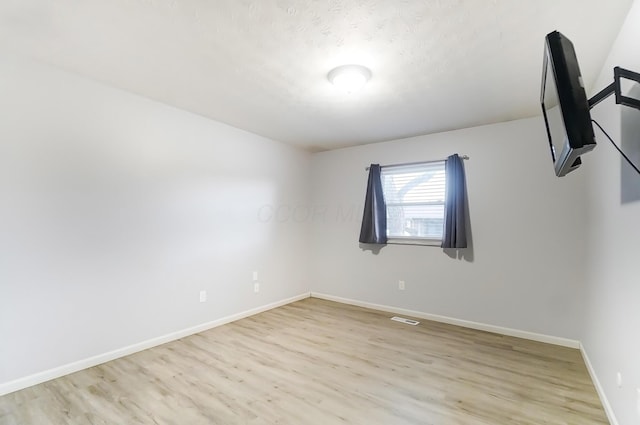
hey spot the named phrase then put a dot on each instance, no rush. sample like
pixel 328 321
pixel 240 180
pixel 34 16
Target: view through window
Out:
pixel 414 195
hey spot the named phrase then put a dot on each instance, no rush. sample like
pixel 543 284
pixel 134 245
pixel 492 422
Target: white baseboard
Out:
pixel 596 382
pixel 37 378
pixel 565 342
pixel 47 375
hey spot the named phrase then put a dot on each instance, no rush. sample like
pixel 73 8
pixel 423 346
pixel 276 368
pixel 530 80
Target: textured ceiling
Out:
pixel 261 65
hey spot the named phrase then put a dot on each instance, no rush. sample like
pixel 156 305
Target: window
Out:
pixel 414 195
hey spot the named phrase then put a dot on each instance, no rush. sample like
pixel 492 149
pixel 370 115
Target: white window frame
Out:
pixel 414 240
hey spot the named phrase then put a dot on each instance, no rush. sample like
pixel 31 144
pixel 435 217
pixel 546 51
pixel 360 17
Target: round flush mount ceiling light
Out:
pixel 349 78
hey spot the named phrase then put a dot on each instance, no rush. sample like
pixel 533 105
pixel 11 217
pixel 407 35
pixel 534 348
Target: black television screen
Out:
pixel 565 105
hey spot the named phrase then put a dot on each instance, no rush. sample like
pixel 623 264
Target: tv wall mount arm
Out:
pixel 614 88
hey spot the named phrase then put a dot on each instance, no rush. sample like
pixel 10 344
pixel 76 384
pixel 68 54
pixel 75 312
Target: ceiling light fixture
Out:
pixel 349 78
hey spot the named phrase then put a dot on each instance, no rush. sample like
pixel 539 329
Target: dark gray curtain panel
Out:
pixel 455 205
pixel 374 217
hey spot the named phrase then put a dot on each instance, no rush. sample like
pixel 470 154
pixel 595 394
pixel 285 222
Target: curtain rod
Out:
pixel 416 163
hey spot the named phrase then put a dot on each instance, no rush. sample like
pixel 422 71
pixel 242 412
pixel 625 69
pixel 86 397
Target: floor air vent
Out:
pixel 403 320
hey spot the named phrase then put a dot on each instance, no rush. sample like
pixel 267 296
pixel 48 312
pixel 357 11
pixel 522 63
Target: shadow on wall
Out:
pixel 460 253
pixel 454 253
pixel 374 248
pixel 630 124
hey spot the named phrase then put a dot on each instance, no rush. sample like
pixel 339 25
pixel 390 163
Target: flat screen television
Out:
pixel 565 105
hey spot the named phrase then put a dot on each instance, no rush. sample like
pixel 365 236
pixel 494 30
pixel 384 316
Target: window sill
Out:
pixel 409 241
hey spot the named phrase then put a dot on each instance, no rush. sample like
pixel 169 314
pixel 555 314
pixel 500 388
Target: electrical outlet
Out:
pixel 619 380
pixel 255 276
pixel 203 296
pixel 401 285
pixel 256 287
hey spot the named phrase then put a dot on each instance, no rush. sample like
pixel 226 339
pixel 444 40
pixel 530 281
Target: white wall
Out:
pixel 115 211
pixel 526 270
pixel 613 298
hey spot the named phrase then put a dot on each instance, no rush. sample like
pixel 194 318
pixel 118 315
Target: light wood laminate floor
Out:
pixel 319 362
